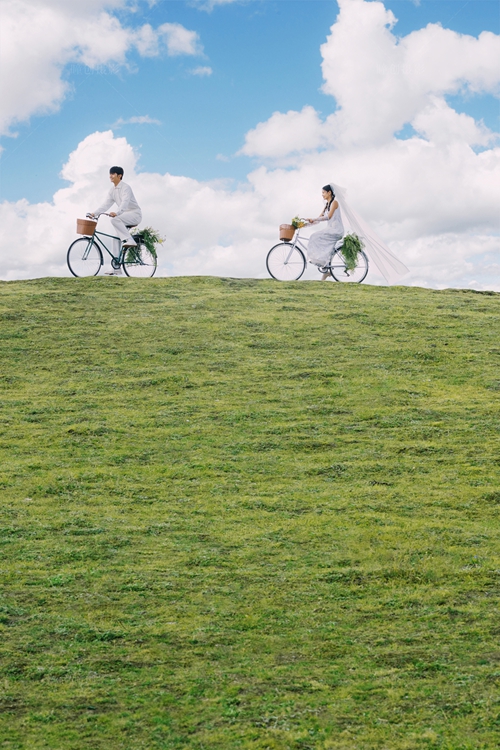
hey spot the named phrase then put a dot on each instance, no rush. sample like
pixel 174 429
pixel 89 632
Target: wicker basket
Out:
pixel 85 226
pixel 286 232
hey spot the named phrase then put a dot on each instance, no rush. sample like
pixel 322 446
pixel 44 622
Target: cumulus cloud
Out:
pixel 284 134
pixel 441 124
pixel 434 196
pixel 381 82
pixel 387 80
pixel 41 37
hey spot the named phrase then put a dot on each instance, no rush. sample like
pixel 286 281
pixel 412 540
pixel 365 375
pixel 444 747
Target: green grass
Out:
pixel 244 514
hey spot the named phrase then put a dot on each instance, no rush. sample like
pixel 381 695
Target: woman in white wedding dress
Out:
pixel 322 243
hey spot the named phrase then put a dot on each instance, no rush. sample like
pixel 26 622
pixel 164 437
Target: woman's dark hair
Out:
pixel 328 189
pixel 116 170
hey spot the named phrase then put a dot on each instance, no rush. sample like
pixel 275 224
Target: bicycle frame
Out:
pixel 102 245
pixel 298 241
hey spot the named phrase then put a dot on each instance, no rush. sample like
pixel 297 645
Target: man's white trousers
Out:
pixel 130 218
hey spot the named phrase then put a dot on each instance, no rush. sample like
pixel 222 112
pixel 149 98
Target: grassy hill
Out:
pixel 244 514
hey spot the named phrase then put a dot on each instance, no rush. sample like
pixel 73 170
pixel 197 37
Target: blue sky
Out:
pixel 264 56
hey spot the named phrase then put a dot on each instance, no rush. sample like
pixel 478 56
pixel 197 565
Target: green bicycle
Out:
pixel 85 255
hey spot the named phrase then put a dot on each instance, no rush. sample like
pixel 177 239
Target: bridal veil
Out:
pixel 377 251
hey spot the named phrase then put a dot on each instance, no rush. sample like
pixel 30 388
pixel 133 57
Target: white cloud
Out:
pixel 380 83
pixel 139 120
pixel 179 40
pixel 146 40
pixel 432 197
pixel 441 124
pixel 284 134
pixel 41 37
pixel 388 81
pixel 202 70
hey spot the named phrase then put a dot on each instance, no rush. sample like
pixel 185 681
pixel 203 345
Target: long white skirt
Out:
pixel 321 246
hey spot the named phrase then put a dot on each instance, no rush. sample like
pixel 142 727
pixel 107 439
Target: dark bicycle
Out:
pixel 85 255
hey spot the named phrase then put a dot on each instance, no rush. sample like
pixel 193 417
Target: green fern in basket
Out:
pixel 149 237
pixel 351 246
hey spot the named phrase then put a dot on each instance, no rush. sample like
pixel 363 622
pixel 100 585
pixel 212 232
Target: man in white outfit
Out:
pixel 129 213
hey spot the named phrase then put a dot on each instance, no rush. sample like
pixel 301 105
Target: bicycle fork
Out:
pixel 89 247
pixel 292 248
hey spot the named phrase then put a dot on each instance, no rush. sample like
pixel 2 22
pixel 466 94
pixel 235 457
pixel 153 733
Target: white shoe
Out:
pixel 129 243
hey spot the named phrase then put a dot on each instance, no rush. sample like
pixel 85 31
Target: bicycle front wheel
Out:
pixel 285 262
pixel 84 257
pixel 340 272
pixel 138 261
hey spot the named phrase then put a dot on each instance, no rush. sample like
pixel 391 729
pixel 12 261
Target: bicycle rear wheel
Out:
pixel 139 262
pixel 340 272
pixel 84 257
pixel 285 262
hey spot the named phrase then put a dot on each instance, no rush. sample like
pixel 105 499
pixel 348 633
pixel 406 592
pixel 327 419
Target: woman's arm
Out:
pixel 321 217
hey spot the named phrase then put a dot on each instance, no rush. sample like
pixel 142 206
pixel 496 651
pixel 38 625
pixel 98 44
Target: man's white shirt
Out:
pixel 124 198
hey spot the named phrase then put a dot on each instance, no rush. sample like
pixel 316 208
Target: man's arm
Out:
pixel 106 205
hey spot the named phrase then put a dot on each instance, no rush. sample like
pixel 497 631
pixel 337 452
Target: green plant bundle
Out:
pixel 297 222
pixel 351 246
pixel 150 238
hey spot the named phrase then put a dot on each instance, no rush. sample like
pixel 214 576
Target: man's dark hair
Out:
pixel 116 170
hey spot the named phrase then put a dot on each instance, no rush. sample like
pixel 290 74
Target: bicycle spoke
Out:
pixel 139 262
pixel 340 272
pixel 84 257
pixel 285 262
